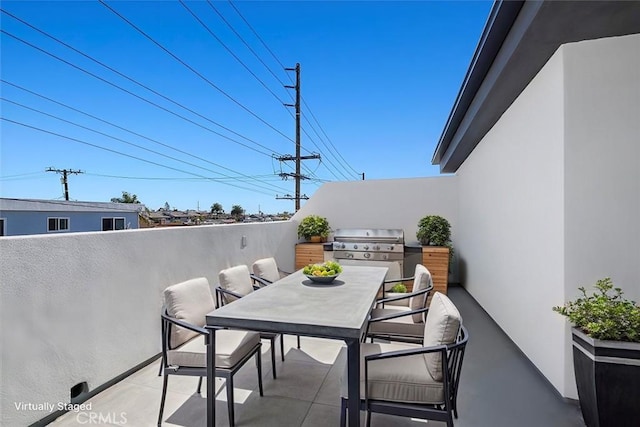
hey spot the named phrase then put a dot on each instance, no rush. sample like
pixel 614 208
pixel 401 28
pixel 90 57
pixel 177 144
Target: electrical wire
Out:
pixel 142 85
pixel 213 85
pixel 133 144
pixel 121 154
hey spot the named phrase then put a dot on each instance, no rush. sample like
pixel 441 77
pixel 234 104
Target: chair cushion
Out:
pixel 266 269
pixel 441 327
pixel 404 379
pixel 189 301
pixel 421 280
pixel 231 347
pixel 236 279
pixel 403 326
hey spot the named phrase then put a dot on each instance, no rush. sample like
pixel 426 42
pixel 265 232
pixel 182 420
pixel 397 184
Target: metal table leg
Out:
pixel 211 378
pixel 353 382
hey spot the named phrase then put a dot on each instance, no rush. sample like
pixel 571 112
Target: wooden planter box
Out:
pixel 309 253
pixel 436 259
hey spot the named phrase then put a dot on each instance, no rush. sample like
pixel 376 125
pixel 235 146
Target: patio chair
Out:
pixel 235 283
pixel 265 272
pixel 184 340
pixel 399 379
pixel 403 323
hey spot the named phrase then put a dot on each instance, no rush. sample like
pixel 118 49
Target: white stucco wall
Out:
pixel 550 198
pixel 390 203
pixel 602 165
pixel 86 306
pixel 511 221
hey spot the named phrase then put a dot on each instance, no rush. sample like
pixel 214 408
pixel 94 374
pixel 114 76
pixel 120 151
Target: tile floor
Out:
pixel 499 387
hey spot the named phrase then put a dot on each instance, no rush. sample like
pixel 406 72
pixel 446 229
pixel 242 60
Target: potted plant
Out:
pixel 606 355
pixel 434 230
pixel 314 228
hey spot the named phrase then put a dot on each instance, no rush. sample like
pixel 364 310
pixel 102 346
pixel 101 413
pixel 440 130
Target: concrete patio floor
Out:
pixel 499 387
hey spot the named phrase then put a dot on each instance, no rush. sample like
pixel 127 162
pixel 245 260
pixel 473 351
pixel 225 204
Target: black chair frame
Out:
pixel 226 373
pixel 271 336
pixel 452 357
pixel 401 338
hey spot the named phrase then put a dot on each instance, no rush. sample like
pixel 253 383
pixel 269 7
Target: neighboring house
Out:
pixel 28 216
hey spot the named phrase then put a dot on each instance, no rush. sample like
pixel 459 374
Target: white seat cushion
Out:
pixel 404 325
pixel 189 301
pixel 441 327
pixel 421 280
pixel 404 379
pixel 231 347
pixel 236 279
pixel 266 269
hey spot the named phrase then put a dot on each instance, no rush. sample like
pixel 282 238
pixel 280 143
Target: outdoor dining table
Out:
pixel 295 305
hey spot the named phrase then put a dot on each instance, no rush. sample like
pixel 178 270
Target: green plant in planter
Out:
pixel 434 230
pixel 398 289
pixel 603 315
pixel 313 225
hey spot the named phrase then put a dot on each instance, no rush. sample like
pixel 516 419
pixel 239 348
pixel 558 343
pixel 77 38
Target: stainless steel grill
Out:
pixel 368 244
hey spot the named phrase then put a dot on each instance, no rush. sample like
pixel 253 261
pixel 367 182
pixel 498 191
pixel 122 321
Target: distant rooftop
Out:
pixel 7 204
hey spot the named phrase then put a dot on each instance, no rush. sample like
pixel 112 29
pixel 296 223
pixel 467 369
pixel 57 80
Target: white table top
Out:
pixel 296 305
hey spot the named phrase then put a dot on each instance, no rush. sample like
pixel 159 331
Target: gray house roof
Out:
pixel 517 41
pixel 66 206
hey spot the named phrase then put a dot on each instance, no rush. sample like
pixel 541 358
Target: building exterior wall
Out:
pixel 602 166
pixel 550 199
pixel 19 223
pixel 86 306
pixel 511 244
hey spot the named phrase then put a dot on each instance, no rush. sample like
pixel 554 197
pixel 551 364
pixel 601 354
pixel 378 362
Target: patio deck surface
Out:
pixel 499 387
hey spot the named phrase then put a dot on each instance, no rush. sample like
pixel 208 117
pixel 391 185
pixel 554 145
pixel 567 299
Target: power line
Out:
pixel 65 174
pixel 283 66
pixel 193 70
pixel 141 85
pixel 230 51
pixel 120 153
pixel 133 144
pixel 114 125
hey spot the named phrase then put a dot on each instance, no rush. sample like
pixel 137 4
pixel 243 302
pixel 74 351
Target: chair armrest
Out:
pixel 261 282
pixel 400 314
pixel 403 279
pixel 221 292
pixel 184 324
pixel 405 296
pixel 407 352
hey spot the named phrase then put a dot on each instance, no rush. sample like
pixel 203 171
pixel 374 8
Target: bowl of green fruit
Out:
pixel 322 273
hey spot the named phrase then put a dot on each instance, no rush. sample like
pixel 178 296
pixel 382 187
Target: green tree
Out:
pixel 126 198
pixel 216 209
pixel 166 206
pixel 237 212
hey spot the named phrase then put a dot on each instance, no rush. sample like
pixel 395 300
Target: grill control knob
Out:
pixel 390 247
pixel 385 256
pixel 367 255
pixel 377 247
pixel 355 246
pixel 349 255
pixel 365 247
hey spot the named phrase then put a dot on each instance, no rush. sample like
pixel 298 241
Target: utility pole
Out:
pixel 298 158
pixel 65 173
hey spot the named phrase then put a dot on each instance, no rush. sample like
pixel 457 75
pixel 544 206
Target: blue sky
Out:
pixel 378 82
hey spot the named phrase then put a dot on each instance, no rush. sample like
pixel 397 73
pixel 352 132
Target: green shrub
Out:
pixel 399 289
pixel 603 315
pixel 313 225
